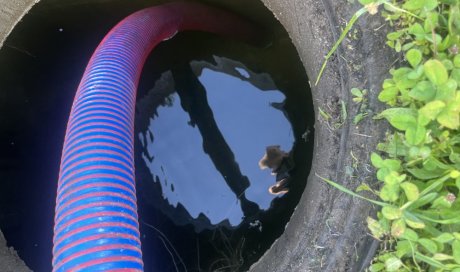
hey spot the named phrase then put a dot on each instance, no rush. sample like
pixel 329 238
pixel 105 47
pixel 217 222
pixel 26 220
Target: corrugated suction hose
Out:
pixel 96 223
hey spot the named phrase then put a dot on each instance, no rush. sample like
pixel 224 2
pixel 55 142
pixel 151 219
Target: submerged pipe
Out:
pixel 96 223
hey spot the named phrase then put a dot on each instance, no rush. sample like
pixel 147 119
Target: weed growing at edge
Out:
pixel 418 163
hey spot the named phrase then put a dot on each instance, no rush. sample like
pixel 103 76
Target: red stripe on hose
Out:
pixel 94 176
pixel 96 249
pixel 93 238
pixel 102 152
pixel 97 214
pixel 100 167
pixel 105 260
pixel 95 185
pixel 97 194
pixel 100 158
pixel 83 140
pixel 93 226
pixel 61 217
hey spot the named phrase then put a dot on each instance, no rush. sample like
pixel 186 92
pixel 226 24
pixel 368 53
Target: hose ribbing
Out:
pixel 96 222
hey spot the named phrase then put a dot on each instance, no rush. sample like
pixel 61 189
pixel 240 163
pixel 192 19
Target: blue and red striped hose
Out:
pixel 96 223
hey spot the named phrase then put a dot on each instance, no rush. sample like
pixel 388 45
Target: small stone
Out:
pixel 372 8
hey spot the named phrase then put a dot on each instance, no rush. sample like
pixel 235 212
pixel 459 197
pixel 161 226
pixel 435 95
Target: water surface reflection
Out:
pixel 204 147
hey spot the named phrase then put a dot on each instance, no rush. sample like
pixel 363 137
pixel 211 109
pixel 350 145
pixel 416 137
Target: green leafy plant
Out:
pixel 360 97
pixel 418 164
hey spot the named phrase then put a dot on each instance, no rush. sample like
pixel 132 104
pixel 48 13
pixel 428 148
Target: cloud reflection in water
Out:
pixel 248 122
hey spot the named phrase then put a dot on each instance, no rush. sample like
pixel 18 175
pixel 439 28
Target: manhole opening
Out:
pixel 267 93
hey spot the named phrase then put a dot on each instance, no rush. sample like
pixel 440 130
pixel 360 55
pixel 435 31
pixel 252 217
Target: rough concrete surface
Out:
pixel 9 259
pixel 11 11
pixel 327 231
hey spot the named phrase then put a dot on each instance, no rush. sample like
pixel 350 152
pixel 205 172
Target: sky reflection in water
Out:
pixel 248 123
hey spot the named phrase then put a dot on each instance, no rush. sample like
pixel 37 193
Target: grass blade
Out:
pixel 345 190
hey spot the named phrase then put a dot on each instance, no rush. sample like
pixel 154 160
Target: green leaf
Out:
pixel 388 94
pixel 398 46
pixel 376 267
pixel 376 160
pixel 432 109
pixel 442 257
pixel 441 202
pixel 434 185
pixel 429 260
pixel 398 227
pixel 392 36
pixel 414 57
pixel 356 92
pixel 423 91
pixel 431 22
pixel 455 75
pixel 393 165
pixel 394 146
pixel 394 178
pixel 423 200
pixel 435 72
pixel 393 264
pixel 410 235
pixel 416 73
pixel 403 122
pixel 415 135
pixel 449 221
pixel 424 152
pixel 359 117
pixel 446 91
pixel 403 248
pixel 417 30
pixel 391 212
pixel 457 61
pixel 413 221
pixel 448 64
pixel 382 173
pixel 414 4
pixel 376 229
pixel 437 38
pixel 392 112
pixel 411 191
pixel 365 2
pixel 432 163
pixel 449 117
pixel 363 187
pixel 389 192
pixel 404 82
pixel 425 174
pixel 430 5
pixel 429 245
pixel 446 43
pixel 444 238
pixel 456 250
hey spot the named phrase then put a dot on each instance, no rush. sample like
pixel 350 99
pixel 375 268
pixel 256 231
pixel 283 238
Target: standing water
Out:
pixel 203 130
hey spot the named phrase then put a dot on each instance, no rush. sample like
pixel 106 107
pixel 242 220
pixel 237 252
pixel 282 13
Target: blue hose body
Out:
pixel 96 221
